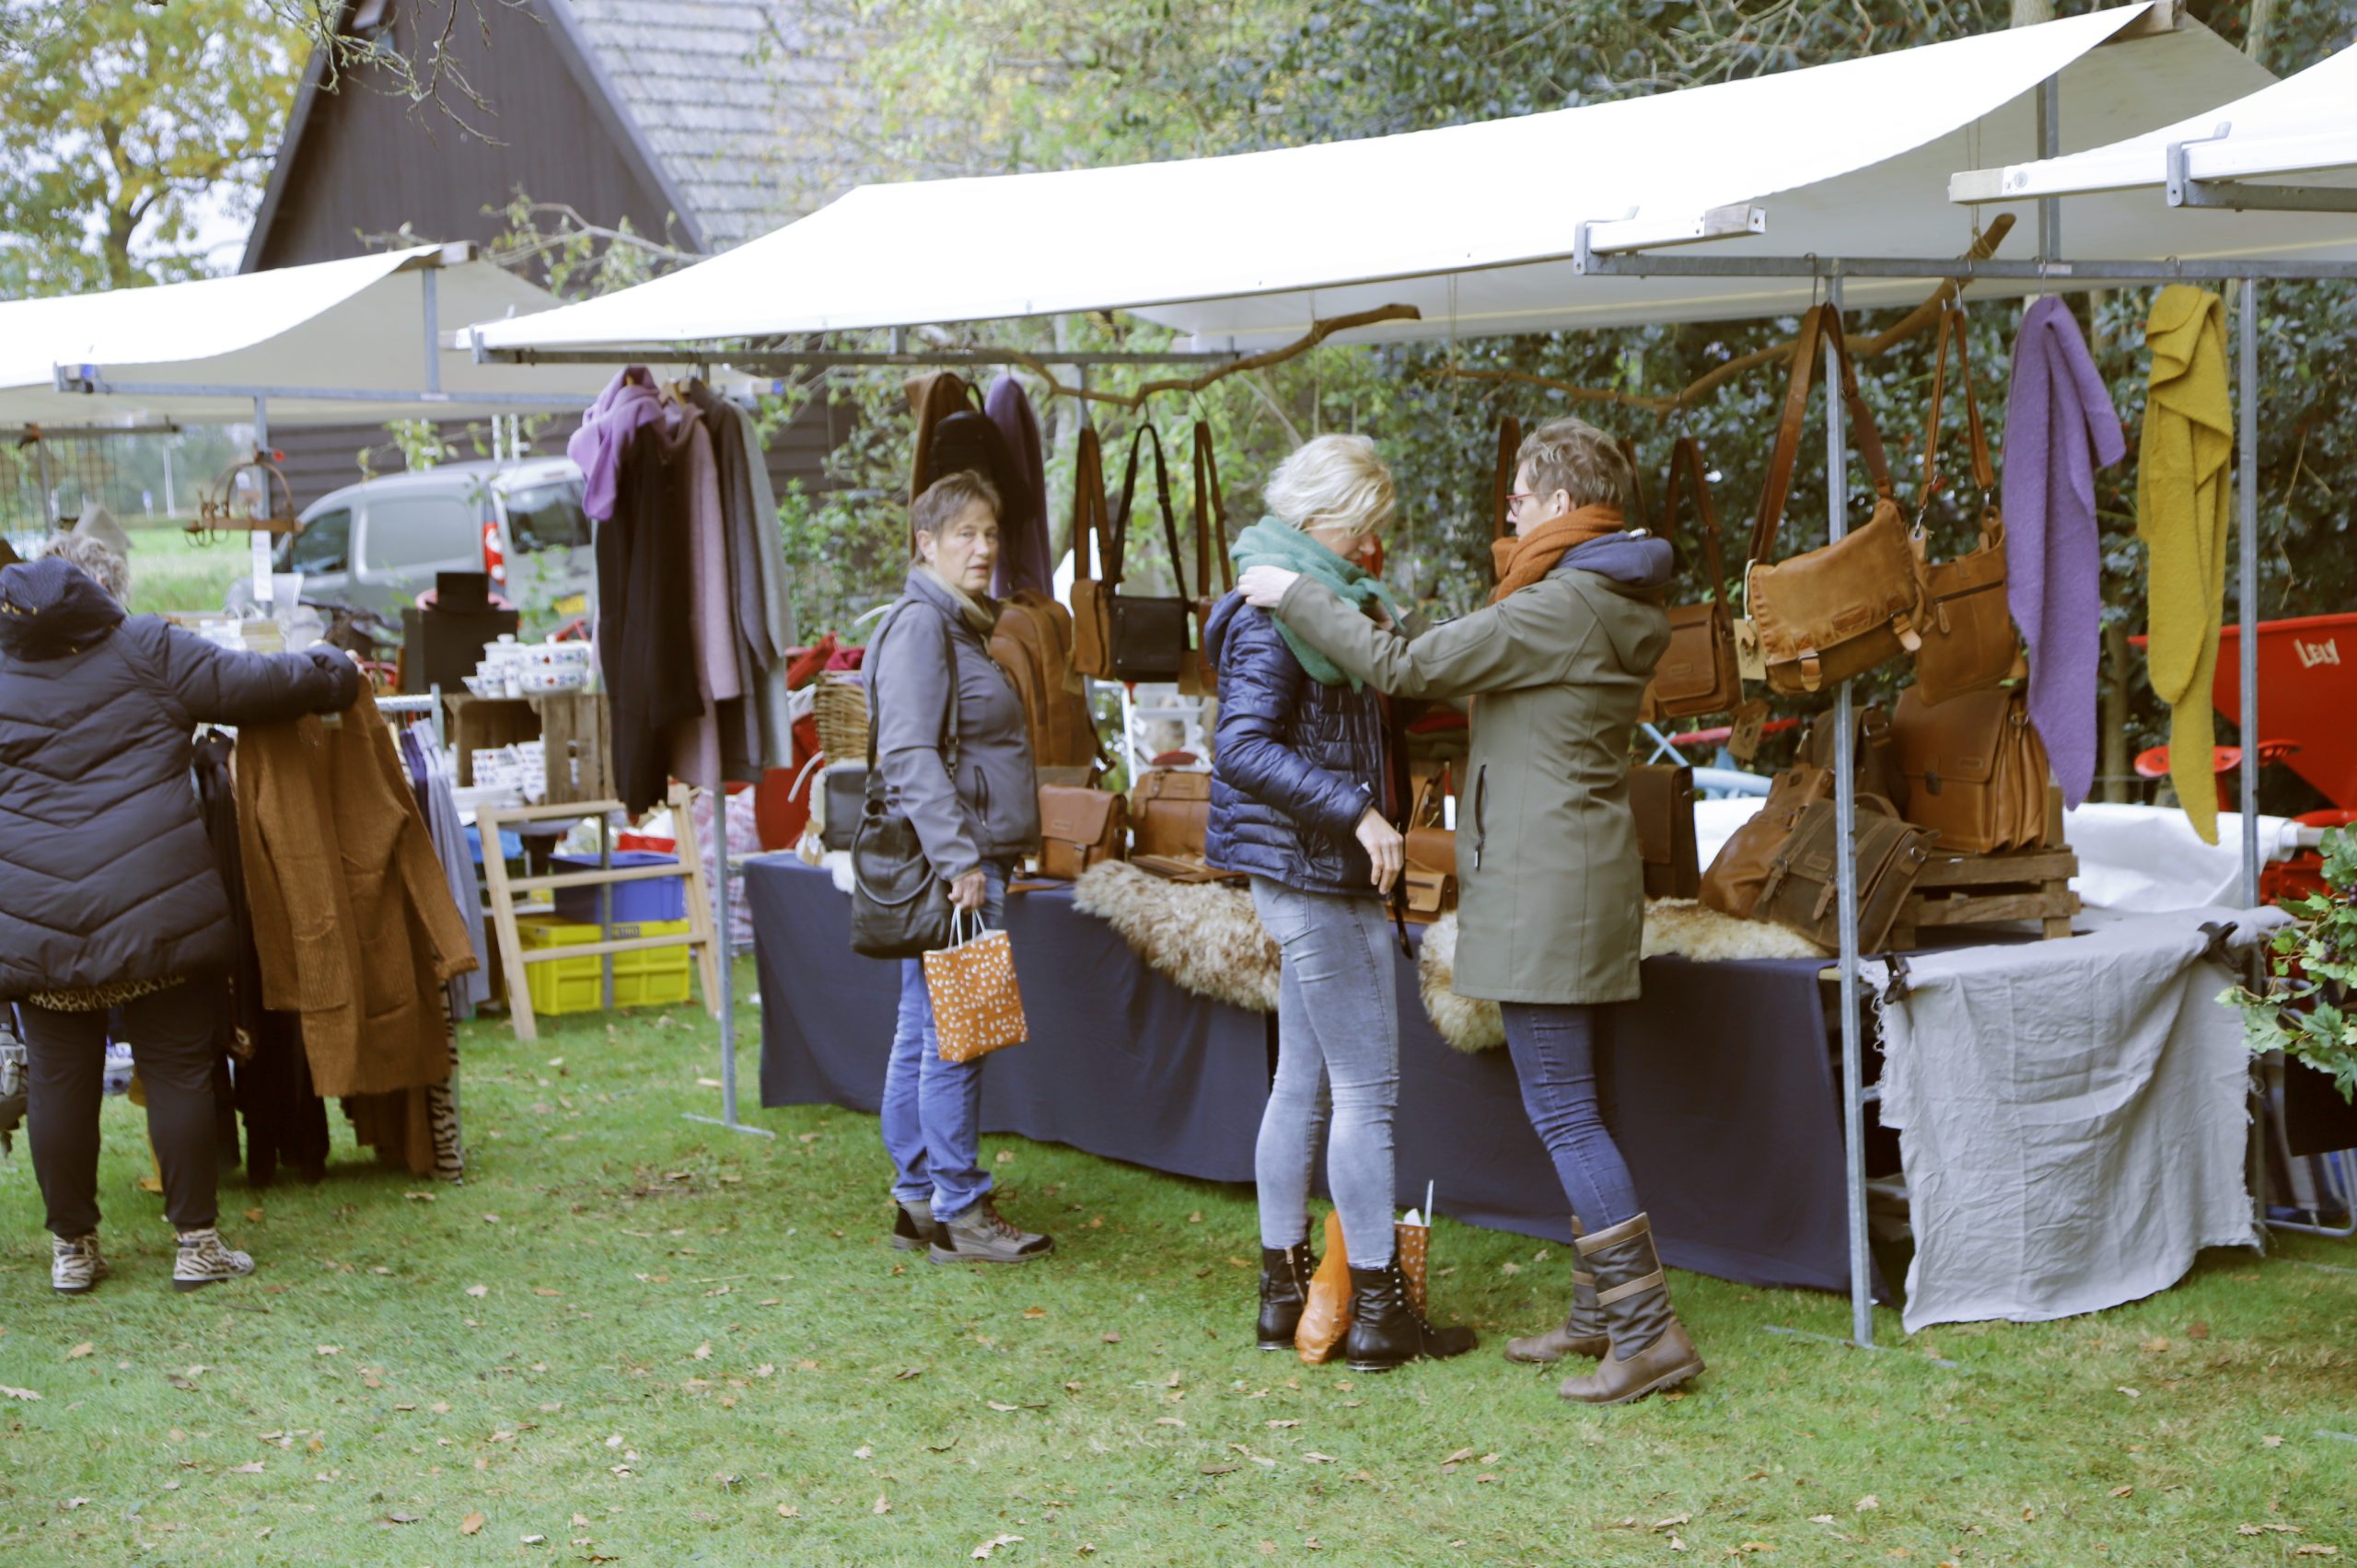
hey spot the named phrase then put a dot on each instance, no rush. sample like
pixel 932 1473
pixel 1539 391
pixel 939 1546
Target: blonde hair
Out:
pixel 1575 456
pixel 96 560
pixel 1332 478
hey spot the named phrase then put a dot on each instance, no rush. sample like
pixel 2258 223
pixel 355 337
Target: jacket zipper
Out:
pixel 1481 814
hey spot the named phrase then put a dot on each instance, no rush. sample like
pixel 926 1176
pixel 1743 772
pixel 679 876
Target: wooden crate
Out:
pixel 1982 889
pixel 571 726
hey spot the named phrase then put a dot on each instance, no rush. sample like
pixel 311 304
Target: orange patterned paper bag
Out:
pixel 977 1005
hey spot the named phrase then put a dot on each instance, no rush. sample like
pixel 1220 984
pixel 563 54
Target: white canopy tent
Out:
pixel 1476 226
pixel 336 343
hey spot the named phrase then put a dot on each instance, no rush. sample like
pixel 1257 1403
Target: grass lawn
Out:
pixel 172 571
pixel 634 1338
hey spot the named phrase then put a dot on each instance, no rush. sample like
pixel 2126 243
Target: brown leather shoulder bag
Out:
pixel 1698 672
pixel 1828 614
pixel 1078 828
pixel 1662 800
pixel 1802 892
pixel 1092 535
pixel 1170 812
pixel 1969 641
pixel 1976 770
pixel 1732 884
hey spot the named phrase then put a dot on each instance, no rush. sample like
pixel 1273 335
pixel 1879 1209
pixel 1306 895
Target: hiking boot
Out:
pixel 1650 1350
pixel 205 1260
pixel 912 1224
pixel 1581 1334
pixel 1386 1330
pixel 1284 1290
pixel 981 1236
pixel 74 1265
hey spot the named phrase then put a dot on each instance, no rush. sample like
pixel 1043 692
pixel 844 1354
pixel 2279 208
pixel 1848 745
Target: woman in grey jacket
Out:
pixel 956 754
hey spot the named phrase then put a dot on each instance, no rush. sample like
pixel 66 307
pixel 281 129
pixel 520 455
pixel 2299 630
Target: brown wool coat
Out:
pixel 353 919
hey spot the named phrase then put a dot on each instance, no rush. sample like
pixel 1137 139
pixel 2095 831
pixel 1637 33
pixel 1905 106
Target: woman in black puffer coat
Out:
pixel 1297 802
pixel 109 897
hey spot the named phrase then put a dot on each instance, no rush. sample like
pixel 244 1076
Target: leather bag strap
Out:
pixel 1210 516
pixel 1640 509
pixel 1984 472
pixel 1685 468
pixel 1822 322
pixel 1147 434
pixel 1502 477
pixel 1089 526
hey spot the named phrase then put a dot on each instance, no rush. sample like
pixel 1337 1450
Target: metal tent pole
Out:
pixel 1845 816
pixel 2246 590
pixel 724 938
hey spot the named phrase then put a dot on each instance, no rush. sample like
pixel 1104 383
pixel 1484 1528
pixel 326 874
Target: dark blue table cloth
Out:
pixel 1719 1086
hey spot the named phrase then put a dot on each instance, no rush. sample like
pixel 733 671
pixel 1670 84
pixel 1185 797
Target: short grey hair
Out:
pixel 97 561
pixel 1332 478
pixel 1575 456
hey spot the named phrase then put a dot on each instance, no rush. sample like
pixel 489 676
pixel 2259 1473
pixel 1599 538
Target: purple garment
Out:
pixel 2059 428
pixel 1023 559
pixel 629 401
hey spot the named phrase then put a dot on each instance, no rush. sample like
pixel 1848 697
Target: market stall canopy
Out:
pixel 352 333
pixel 2304 125
pixel 1473 225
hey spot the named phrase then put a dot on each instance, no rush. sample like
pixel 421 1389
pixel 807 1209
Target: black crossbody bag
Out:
pixel 900 909
pixel 1149 634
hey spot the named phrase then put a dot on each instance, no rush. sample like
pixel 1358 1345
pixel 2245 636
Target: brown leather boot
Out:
pixel 1581 1334
pixel 1650 1350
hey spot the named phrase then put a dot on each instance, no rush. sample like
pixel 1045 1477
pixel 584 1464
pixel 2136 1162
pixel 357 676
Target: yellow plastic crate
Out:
pixel 650 977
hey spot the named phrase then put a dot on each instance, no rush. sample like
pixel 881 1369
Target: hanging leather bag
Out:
pixel 1032 643
pixel 1092 536
pixel 1662 800
pixel 1740 868
pixel 1170 812
pixel 1803 890
pixel 899 908
pixel 1873 753
pixel 1968 639
pixel 1976 770
pixel 1148 634
pixel 1196 676
pixel 1428 873
pixel 1078 828
pixel 1828 614
pixel 1698 673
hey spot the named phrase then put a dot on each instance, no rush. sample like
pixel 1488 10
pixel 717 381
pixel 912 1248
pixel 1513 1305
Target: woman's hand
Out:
pixel 967 892
pixel 1383 846
pixel 1263 587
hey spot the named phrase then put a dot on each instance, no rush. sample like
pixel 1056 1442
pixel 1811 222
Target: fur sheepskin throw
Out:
pixel 1204 938
pixel 1674 928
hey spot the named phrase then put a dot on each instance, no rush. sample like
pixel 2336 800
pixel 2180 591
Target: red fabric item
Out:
pixel 846 659
pixel 802 665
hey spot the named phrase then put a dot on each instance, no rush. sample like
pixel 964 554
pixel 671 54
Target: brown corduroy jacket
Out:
pixel 352 918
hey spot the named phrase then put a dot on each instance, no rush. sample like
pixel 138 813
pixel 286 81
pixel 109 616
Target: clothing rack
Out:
pixel 430 705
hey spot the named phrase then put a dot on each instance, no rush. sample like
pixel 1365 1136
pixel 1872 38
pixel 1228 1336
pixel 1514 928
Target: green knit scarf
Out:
pixel 1271 543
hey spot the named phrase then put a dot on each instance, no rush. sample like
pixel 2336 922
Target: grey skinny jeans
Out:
pixel 1337 1044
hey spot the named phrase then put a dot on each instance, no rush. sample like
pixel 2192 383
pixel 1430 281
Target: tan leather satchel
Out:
pixel 1968 639
pixel 1429 874
pixel 1698 673
pixel 1976 770
pixel 1828 614
pixel 1732 884
pixel 1032 643
pixel 1662 800
pixel 1078 828
pixel 1170 812
pixel 1803 890
pixel 1092 601
pixel 1196 676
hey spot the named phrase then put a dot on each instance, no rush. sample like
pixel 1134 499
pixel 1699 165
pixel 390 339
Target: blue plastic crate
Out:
pixel 658 898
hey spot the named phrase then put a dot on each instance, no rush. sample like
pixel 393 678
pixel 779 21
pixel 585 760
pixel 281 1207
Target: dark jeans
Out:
pixel 173 1044
pixel 1554 1055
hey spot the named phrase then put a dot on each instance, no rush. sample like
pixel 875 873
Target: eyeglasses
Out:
pixel 1514 501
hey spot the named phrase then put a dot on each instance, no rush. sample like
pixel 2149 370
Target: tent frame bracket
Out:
pixel 92 380
pixel 2234 195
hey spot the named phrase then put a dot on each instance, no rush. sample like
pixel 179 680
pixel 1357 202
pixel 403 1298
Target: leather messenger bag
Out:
pixel 1662 800
pixel 1698 673
pixel 1078 828
pixel 1732 884
pixel 1969 641
pixel 1976 770
pixel 1428 868
pixel 1170 812
pixel 1828 614
pixel 1802 892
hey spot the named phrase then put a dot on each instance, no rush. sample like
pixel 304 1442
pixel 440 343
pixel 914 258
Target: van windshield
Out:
pixel 546 516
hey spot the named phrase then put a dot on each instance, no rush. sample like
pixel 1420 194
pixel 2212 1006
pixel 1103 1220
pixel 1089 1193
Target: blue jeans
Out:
pixel 932 1109
pixel 1554 1055
pixel 1337 1042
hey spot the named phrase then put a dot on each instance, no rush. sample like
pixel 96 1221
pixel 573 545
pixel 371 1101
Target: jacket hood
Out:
pixel 1631 560
pixel 48 609
pixel 1223 616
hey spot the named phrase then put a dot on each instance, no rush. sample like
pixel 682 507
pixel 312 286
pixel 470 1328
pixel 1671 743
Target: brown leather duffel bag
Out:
pixel 1802 891
pixel 1976 770
pixel 1968 640
pixel 1732 884
pixel 1698 672
pixel 1662 800
pixel 1078 828
pixel 1170 812
pixel 1828 614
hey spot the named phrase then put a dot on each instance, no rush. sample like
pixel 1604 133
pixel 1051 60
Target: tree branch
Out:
pixel 1318 333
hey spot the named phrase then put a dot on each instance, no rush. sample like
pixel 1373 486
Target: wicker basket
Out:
pixel 840 707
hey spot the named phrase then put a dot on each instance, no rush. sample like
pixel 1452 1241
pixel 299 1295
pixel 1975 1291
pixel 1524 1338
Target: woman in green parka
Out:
pixel 1550 904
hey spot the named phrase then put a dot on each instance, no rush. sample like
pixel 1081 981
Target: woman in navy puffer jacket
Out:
pixel 1297 802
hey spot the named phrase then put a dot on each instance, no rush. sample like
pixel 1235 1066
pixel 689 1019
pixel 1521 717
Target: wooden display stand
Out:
pixel 514 955
pixel 1985 889
pixel 570 726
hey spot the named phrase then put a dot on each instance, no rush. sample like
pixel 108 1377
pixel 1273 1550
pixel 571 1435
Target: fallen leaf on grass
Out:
pixel 2314 1549
pixel 1284 1423
pixel 2132 1393
pixel 906 1373
pixel 862 1452
pixel 1000 1405
pixel 1820 1519
pixel 1316 1458
pixel 995 1543
pixel 2272 1441
pixel 2123 1491
pixel 1675 1544
pixel 1672 1522
pixel 883 1504
pixel 543 1290
pixel 419 1197
pixel 2196 1330
pixel 1112 1338
pixel 1035 1312
pixel 473 1524
pixel 478 1292
pixel 534 1540
pixel 440 1407
pixel 398 1518
pixel 701 1351
pixel 79 1352
pixel 1458 1457
pixel 1868 1504
pixel 1221 1469
pixel 250 1468
pixel 1168 1421
pixel 788 1511
pixel 330 1350
pixel 1750 1546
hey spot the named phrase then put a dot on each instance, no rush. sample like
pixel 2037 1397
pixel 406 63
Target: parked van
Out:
pixel 377 545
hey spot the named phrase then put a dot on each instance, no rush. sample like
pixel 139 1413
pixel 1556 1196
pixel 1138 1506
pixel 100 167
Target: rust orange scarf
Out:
pixel 1524 561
